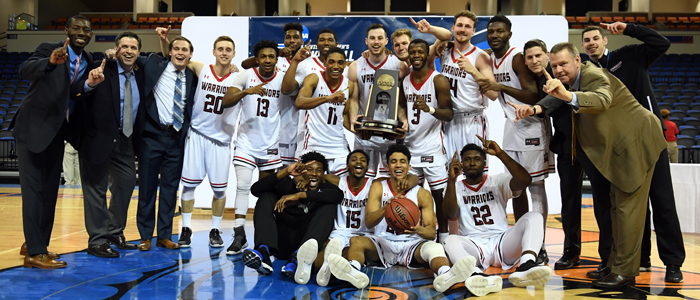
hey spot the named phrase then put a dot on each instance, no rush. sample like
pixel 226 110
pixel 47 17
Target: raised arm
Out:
pixel 653 47
pixel 236 92
pixel 444 99
pixel 44 60
pixel 449 204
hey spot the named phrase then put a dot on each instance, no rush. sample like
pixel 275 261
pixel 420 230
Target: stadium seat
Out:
pixel 673 92
pixel 685 99
pixel 659 93
pixel 680 114
pixel 680 106
pixel 664 105
pixel 695 106
pixel 685 141
pixel 688 130
pixel 642 19
pixel 173 20
pixel 697 140
pixel 695 122
pixel 689 93
pixel 679 77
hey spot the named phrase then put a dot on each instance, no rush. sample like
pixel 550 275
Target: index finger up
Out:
pixel 66 44
pixel 413 21
pixel 546 75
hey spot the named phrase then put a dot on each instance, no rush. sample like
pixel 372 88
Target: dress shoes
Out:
pixel 567 262
pixel 23 251
pixel 43 261
pixel 167 244
pixel 121 243
pixel 145 245
pixel 599 273
pixel 103 250
pixel 613 280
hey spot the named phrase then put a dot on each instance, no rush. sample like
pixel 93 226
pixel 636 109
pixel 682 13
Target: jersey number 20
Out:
pixel 214 104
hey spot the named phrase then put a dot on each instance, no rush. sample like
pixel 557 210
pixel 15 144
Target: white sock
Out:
pixel 186 218
pixel 239 222
pixel 443 270
pixel 527 257
pixel 356 264
pixel 215 221
pixel 442 236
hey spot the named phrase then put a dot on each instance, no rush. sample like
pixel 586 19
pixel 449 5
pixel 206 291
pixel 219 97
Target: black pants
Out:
pixel 601 203
pixel 39 178
pixel 571 179
pixel 669 238
pixel 284 233
pixel 162 154
pixel 118 173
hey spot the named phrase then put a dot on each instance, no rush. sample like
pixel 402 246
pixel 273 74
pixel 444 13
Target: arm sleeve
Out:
pixel 654 44
pixel 37 65
pixel 503 183
pixel 240 80
pixel 300 74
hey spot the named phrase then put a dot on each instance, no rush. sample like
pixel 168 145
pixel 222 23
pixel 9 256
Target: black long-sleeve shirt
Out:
pixel 631 64
pixel 326 193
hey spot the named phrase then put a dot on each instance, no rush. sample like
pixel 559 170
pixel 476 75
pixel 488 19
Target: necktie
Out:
pixel 128 113
pixel 178 105
pixel 75 75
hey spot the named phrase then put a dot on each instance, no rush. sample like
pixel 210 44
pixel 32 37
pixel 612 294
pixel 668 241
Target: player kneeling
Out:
pixel 412 248
pixel 483 225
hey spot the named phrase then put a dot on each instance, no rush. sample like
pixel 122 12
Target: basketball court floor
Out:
pixel 202 272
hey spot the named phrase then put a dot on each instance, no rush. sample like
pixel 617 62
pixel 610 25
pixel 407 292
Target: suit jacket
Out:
pixel 101 124
pixel 153 66
pixel 620 137
pixel 43 110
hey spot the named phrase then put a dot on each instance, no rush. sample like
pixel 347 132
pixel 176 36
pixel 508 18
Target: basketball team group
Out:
pixel 329 211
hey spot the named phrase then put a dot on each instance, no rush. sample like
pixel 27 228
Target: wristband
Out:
pixel 431 110
pixel 534 110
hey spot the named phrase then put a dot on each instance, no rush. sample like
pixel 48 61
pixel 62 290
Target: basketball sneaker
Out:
pixel 290 267
pixel 215 238
pixel 529 273
pixel 542 258
pixel 324 274
pixel 258 261
pixel 239 241
pixel 185 237
pixel 343 270
pixel 306 255
pixel 480 284
pixel 459 272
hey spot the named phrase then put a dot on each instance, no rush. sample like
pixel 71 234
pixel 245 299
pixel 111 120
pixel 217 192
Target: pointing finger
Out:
pixel 481 139
pixel 103 64
pixel 511 104
pixel 546 74
pixel 413 21
pixel 455 156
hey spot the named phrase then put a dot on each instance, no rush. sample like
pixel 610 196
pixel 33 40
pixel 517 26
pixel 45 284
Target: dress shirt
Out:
pixel 165 93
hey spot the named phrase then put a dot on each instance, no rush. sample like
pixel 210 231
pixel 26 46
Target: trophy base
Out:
pixel 383 128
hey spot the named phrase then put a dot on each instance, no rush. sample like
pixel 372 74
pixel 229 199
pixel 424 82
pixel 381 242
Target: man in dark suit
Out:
pixel 107 155
pixel 40 127
pixel 170 89
pixel 570 172
pixel 619 137
pixel 631 65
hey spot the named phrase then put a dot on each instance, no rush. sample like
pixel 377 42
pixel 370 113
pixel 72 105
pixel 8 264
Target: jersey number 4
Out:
pixel 352 219
pixel 481 215
pixel 263 105
pixel 214 104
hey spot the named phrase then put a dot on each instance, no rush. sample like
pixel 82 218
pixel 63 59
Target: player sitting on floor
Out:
pixel 413 248
pixel 285 217
pixel 483 224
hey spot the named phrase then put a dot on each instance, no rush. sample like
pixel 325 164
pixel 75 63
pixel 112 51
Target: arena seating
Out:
pixel 123 23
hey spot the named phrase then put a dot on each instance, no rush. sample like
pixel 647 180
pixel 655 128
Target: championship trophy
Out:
pixel 381 113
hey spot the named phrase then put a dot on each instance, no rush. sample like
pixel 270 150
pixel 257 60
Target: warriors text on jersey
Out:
pixel 324 123
pixel 209 118
pixel 259 124
pixel 351 212
pixel 424 137
pixel 482 208
pixel 382 229
pixel 466 96
pixel 527 134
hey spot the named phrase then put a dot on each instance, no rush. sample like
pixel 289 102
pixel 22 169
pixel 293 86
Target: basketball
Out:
pixel 402 214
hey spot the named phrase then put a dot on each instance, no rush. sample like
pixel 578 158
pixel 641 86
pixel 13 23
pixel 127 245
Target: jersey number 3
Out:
pixel 481 215
pixel 214 104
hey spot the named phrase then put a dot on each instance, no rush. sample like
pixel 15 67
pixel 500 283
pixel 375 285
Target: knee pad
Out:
pixel 188 193
pixel 219 194
pixel 244 177
pixel 431 250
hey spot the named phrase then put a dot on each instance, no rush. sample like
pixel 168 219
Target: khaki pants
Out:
pixel 673 151
pixel 71 170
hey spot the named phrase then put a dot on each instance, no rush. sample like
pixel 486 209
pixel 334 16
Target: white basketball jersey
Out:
pixel 382 229
pixel 209 118
pixel 289 115
pixel 482 208
pixel 324 123
pixel 351 212
pixel 259 126
pixel 424 137
pixel 529 133
pixel 311 65
pixel 466 96
pixel 283 64
pixel 365 75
